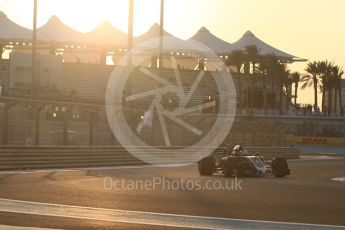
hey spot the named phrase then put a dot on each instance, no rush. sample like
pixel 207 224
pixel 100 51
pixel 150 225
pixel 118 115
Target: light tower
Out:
pixel 130 33
pixel 161 34
pixel 34 79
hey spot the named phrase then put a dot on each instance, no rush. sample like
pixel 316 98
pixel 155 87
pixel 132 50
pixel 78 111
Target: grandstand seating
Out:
pixel 4 73
pixel 85 81
pixel 88 82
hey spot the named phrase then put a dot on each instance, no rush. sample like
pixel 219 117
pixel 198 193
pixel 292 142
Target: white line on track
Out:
pixel 149 218
pixel 7 227
pixel 303 158
pixel 85 169
pixel 340 179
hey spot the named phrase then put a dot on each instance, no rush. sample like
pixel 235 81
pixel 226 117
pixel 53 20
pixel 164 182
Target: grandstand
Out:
pixel 86 83
pixel 69 108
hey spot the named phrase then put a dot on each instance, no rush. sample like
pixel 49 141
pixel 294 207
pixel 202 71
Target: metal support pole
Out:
pixel 92 117
pixel 5 128
pixel 253 134
pixel 130 34
pixel 37 125
pixel 34 79
pixel 65 130
pixel 161 34
pixel 280 136
pixel 2 49
pixel 5 122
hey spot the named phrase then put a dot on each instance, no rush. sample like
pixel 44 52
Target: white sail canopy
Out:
pixel 154 32
pixel 249 39
pixel 106 34
pixel 56 31
pixel 216 44
pixel 150 39
pixel 10 30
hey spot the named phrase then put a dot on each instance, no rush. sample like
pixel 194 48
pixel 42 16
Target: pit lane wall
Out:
pixel 315 141
pixel 276 139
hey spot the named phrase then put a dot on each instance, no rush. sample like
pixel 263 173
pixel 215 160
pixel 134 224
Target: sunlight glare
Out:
pixel 89 14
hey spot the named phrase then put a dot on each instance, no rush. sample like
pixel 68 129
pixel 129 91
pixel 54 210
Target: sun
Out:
pixel 85 15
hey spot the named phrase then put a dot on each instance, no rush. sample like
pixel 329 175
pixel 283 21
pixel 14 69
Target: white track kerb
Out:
pixel 129 138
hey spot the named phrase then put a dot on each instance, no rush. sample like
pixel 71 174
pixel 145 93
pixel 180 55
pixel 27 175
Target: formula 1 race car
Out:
pixel 239 162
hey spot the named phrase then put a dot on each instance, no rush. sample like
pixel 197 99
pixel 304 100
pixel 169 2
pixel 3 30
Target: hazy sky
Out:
pixel 312 29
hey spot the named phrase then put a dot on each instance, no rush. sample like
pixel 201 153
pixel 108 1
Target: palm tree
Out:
pixel 296 77
pixel 279 76
pixel 252 53
pixel 287 80
pixel 237 58
pixel 270 66
pixel 330 83
pixel 262 72
pixel 252 56
pixel 326 86
pixel 324 71
pixel 337 73
pixel 283 79
pixel 273 68
pixel 312 79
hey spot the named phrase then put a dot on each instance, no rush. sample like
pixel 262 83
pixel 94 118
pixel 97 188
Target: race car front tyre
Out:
pixel 229 167
pixel 206 166
pixel 280 167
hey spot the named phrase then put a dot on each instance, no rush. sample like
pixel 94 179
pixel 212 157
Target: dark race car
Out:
pixel 239 162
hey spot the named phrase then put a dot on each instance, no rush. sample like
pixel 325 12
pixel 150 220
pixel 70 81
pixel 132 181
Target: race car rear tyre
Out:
pixel 206 166
pixel 280 167
pixel 229 167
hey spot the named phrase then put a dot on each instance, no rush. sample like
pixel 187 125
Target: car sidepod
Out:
pixel 260 167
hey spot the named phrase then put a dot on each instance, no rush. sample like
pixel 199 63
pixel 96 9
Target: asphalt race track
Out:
pixel 175 198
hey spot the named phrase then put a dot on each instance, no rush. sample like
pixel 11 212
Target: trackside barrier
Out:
pixel 20 157
pixel 41 157
pixel 268 153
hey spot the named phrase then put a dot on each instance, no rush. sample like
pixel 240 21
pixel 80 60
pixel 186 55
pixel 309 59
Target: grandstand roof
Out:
pixel 10 30
pixel 151 38
pixel 250 39
pixel 106 34
pixel 216 44
pixel 57 32
pixel 153 32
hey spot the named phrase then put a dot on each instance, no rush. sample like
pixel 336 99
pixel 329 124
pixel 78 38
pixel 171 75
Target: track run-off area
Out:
pixel 174 198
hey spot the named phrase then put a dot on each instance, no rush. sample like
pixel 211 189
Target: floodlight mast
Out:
pixel 130 33
pixel 161 34
pixel 34 79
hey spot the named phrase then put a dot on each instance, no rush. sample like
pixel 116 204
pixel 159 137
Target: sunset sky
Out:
pixel 312 29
